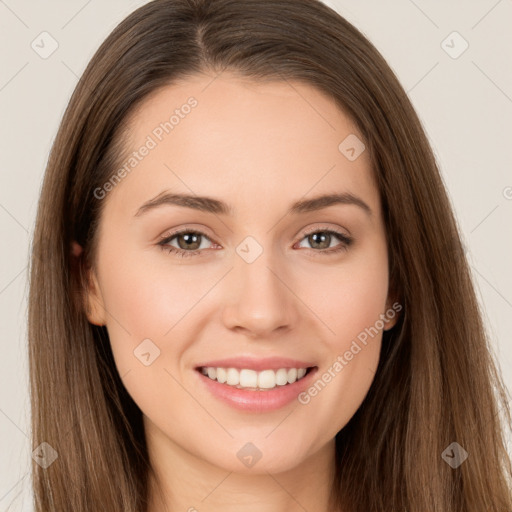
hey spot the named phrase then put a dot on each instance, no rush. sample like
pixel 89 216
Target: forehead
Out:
pixel 267 140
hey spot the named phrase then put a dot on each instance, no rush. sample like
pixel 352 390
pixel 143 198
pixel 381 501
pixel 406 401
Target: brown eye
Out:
pixel 189 242
pixel 322 239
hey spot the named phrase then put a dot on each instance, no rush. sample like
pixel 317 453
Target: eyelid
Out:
pixel 170 233
pixel 325 228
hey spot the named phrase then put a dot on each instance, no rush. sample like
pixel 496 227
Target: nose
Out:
pixel 261 300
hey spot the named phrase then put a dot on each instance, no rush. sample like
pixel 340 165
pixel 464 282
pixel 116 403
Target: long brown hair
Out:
pixel 437 381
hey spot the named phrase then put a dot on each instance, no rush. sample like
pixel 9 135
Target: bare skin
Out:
pixel 259 148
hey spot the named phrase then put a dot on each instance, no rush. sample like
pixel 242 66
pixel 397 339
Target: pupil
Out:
pixel 189 238
pixel 323 237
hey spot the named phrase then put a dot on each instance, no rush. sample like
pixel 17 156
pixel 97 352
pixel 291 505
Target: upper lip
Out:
pixel 257 363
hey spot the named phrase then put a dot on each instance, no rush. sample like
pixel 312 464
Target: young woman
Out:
pixel 248 290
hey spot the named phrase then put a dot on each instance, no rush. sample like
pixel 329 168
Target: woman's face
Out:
pixel 262 275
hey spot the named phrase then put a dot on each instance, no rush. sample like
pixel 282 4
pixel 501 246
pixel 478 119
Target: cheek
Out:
pixel 154 307
pixel 350 302
pixel 147 325
pixel 149 296
pixel 349 297
pixel 143 302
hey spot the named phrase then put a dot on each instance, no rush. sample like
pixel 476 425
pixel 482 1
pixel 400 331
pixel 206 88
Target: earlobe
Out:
pixel 392 313
pixel 389 324
pixel 95 310
pixel 91 293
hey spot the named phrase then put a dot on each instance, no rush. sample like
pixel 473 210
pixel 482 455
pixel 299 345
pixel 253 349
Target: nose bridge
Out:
pixel 261 302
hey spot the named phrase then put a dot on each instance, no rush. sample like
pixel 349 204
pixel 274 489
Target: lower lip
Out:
pixel 258 401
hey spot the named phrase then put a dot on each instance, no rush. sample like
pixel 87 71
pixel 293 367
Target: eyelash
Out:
pixel 346 241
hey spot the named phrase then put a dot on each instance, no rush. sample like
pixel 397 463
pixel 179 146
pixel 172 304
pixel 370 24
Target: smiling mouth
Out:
pixel 252 380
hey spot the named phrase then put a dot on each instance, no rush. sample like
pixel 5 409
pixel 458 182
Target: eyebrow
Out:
pixel 211 205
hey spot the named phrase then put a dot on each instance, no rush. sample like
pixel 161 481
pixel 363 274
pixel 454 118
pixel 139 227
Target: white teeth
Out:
pixel 292 375
pixel 267 379
pixel 248 379
pixel 282 377
pixel 222 376
pixel 233 377
pixel 251 379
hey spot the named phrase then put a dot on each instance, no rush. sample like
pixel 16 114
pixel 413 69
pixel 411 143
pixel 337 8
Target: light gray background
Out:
pixel 465 104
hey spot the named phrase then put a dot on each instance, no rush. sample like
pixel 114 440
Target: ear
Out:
pixel 90 290
pixel 94 306
pixel 392 313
